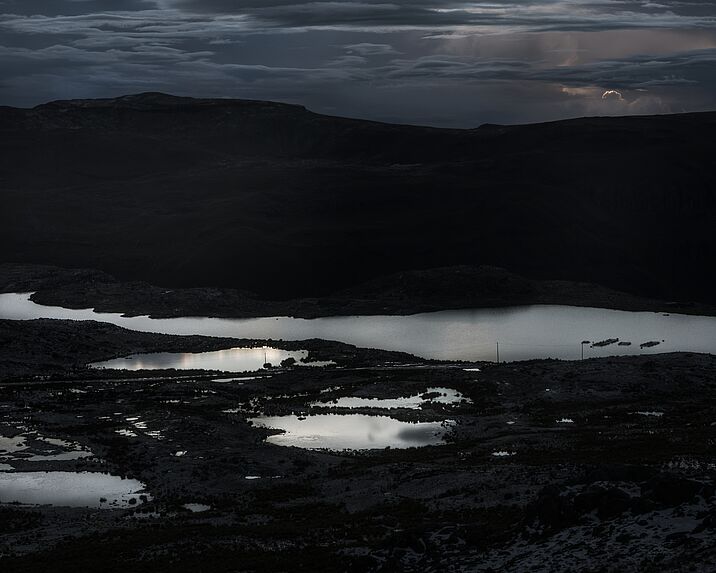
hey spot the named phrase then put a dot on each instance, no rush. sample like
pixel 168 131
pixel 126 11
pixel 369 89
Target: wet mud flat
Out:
pixel 599 465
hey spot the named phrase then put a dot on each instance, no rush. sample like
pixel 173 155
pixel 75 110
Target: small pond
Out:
pixel 415 402
pixel 351 432
pixel 230 360
pixel 32 447
pixel 72 489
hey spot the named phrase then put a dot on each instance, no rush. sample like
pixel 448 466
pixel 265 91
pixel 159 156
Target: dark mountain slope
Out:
pixel 276 199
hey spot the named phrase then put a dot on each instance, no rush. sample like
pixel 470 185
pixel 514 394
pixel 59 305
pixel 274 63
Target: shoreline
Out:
pixel 403 294
pixel 60 347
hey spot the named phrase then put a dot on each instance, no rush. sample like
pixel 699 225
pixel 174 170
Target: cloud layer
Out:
pixel 422 61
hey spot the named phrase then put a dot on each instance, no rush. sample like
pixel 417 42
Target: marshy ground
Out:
pixel 598 465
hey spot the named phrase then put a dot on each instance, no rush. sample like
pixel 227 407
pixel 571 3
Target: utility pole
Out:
pixel 498 351
pixel 583 343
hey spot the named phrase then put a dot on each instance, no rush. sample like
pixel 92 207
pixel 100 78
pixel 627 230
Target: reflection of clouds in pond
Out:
pixel 436 395
pixel 126 433
pixel 196 507
pixel 32 447
pixel 416 434
pixel 11 445
pixel 230 359
pixel 81 489
pixel 351 431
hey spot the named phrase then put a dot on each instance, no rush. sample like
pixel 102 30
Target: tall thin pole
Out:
pixel 498 352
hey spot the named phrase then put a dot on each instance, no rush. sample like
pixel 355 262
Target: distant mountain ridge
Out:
pixel 274 198
pixel 156 100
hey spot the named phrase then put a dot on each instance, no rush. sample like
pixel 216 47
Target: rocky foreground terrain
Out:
pixel 603 465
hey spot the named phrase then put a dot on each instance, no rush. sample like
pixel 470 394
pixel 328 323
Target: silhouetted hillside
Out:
pixel 276 199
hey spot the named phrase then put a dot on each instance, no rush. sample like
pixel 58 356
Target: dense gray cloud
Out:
pixel 70 7
pixel 436 14
pixel 422 61
pixel 368 49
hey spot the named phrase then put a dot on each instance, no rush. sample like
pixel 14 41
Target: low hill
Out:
pixel 287 203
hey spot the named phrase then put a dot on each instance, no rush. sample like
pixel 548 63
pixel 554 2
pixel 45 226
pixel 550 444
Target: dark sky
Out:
pixel 438 62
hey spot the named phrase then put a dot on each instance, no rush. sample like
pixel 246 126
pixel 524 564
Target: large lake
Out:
pixel 524 332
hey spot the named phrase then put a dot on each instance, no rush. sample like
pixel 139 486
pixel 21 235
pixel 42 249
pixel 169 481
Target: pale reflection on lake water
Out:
pixel 542 331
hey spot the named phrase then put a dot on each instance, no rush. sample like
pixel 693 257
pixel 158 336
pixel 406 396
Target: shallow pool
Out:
pixel 351 432
pixel 73 489
pixel 414 402
pixel 230 360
